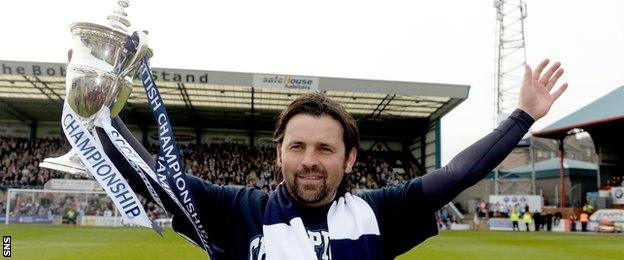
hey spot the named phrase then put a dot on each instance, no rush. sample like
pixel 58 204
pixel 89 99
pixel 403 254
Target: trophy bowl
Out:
pixel 99 74
pixel 99 70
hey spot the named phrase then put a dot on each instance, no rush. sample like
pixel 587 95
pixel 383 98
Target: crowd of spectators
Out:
pixel 236 164
pixel 220 163
pixel 444 218
pixel 20 158
pixel 229 164
pixel 499 210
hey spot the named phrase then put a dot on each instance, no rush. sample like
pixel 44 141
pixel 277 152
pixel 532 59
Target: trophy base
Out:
pixel 69 163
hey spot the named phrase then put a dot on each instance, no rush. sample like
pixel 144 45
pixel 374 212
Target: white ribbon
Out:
pixel 103 170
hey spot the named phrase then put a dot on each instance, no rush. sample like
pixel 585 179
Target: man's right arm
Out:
pixel 214 202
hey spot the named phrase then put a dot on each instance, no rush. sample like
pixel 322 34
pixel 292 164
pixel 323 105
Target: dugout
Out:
pixel 603 120
pixel 212 106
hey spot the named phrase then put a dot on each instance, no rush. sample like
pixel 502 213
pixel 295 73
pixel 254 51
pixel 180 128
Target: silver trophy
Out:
pixel 99 74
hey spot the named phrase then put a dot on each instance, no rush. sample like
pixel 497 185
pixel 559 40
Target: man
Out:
pixel 537 220
pixel 573 220
pixel 558 216
pixel 312 215
pixel 526 218
pixel 584 220
pixel 514 217
pixel 70 216
pixel 445 216
pixel 548 219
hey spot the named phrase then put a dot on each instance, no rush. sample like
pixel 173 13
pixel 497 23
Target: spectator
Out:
pixel 527 219
pixel 558 218
pixel 70 216
pixel 584 218
pixel 572 222
pixel 515 217
pixel 537 219
pixel 548 219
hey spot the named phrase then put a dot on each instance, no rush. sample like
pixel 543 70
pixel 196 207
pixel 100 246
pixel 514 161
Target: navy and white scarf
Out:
pixel 351 223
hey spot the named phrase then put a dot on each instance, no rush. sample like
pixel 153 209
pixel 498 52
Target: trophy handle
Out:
pixel 141 51
pixel 69 162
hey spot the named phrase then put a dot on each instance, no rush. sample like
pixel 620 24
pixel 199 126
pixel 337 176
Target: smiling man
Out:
pixel 317 144
pixel 312 215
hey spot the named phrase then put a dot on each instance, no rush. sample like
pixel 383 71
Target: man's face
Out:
pixel 312 158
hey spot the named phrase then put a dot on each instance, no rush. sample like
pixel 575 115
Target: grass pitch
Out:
pixel 75 242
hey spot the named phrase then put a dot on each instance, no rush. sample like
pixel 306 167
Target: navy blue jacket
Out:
pixel 405 214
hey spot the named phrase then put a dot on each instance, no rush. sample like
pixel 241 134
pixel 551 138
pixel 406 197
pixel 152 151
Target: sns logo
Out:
pixel 6 246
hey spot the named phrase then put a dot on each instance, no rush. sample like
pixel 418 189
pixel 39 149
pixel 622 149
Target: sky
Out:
pixel 450 41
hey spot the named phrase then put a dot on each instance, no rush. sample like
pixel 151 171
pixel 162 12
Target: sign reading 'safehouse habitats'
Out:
pixel 285 81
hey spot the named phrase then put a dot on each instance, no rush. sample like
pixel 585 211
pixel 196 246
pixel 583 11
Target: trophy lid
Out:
pixel 116 32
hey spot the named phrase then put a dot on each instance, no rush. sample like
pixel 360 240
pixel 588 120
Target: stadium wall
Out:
pixel 14 129
pixel 426 148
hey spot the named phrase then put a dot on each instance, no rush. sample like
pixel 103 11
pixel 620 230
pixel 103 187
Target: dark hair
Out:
pixel 319 104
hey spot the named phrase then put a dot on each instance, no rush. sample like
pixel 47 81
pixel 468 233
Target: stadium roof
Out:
pixel 34 91
pixel 553 164
pixel 608 108
pixel 550 169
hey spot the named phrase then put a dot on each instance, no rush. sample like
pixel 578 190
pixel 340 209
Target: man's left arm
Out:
pixel 473 163
pixel 405 213
pixel 476 161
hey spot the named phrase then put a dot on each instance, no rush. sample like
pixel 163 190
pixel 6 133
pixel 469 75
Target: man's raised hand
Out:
pixel 535 93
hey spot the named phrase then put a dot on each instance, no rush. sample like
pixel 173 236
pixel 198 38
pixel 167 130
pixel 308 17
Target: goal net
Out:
pixel 31 206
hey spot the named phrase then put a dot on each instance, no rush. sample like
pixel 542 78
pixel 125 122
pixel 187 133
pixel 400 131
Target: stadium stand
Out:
pixel 239 108
pixel 220 163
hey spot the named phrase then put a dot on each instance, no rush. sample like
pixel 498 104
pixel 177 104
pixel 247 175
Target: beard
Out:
pixel 309 193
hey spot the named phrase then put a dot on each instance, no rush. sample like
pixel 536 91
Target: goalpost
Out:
pixel 78 207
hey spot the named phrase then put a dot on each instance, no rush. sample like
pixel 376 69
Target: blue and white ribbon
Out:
pixel 104 171
pixel 169 166
pixel 132 157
